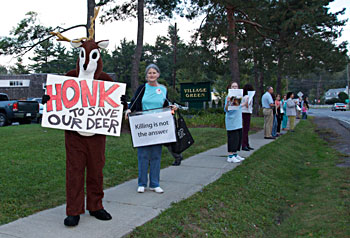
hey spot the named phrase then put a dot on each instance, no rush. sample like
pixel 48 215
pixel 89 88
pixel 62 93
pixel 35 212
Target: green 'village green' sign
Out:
pixel 191 92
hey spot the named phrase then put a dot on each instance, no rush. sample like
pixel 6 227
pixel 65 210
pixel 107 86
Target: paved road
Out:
pixel 327 112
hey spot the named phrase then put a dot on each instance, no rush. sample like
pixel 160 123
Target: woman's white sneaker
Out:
pixel 240 158
pixel 235 160
pixel 141 189
pixel 157 190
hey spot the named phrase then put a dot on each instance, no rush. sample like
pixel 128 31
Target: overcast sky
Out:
pixel 66 13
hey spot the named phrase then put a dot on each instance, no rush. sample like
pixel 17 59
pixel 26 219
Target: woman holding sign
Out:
pixel 247 110
pixel 233 122
pixel 149 96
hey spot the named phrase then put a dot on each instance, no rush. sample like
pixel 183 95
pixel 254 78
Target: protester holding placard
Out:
pixel 233 122
pixel 247 110
pixel 149 96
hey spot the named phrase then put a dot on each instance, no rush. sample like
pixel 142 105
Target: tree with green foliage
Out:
pixel 3 70
pixel 19 67
pixel 342 97
pixel 150 9
pixel 303 35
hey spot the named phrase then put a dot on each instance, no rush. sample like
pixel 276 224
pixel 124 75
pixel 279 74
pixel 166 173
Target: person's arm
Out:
pixel 271 103
pixel 227 103
pixel 131 106
pixel 290 103
pixel 245 101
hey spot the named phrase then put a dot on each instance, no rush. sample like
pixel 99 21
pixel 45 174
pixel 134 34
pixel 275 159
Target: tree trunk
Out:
pixel 318 90
pixel 232 45
pixel 90 13
pixel 138 51
pixel 175 49
pixel 261 86
pixel 257 86
pixel 279 76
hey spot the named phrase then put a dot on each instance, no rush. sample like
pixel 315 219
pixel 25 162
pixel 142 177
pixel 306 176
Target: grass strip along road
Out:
pixel 32 165
pixel 288 188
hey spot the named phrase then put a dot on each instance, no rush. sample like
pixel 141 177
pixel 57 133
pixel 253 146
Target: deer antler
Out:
pixel 92 22
pixel 63 38
pixel 60 36
pixel 91 30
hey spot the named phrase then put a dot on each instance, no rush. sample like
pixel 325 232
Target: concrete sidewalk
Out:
pixel 128 208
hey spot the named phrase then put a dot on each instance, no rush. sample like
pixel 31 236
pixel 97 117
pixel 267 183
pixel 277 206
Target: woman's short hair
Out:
pixel 246 88
pixel 289 94
pixel 152 66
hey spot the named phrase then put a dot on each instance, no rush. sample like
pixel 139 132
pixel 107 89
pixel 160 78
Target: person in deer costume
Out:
pixel 85 150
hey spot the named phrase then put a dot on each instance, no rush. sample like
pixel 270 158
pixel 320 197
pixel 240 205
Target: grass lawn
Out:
pixel 288 188
pixel 32 165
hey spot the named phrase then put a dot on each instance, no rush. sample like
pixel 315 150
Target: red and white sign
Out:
pixel 83 105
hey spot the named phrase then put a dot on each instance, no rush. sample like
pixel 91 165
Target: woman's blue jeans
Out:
pixel 149 156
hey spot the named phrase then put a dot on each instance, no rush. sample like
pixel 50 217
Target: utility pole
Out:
pixel 348 73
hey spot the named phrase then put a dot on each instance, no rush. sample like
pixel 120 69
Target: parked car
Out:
pixel 41 108
pixel 339 106
pixel 17 110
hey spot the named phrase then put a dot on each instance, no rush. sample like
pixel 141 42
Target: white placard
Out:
pixel 236 95
pixel 152 127
pixel 83 105
pixel 250 95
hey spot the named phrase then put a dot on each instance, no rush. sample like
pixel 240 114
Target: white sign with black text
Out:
pixel 152 127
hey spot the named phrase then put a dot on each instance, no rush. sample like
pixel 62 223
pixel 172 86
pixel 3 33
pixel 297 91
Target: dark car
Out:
pixel 339 106
pixel 17 110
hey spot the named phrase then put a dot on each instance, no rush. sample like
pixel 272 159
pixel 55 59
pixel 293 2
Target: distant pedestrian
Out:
pixel 284 117
pixel 247 110
pixel 233 122
pixel 274 124
pixel 279 113
pixel 291 110
pixel 305 108
pixel 298 102
pixel 268 104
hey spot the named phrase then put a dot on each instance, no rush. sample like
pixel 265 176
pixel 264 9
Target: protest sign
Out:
pixel 152 127
pixel 83 105
pixel 236 96
pixel 250 95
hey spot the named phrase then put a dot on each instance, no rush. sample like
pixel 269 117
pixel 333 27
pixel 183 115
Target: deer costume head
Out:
pixel 89 64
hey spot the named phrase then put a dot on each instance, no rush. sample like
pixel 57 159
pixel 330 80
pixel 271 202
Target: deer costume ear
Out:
pixel 76 44
pixel 103 44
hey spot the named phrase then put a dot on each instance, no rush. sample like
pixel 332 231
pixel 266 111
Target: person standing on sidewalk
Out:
pixel 233 122
pixel 291 110
pixel 279 113
pixel 304 108
pixel 247 110
pixel 285 117
pixel 268 104
pixel 149 96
